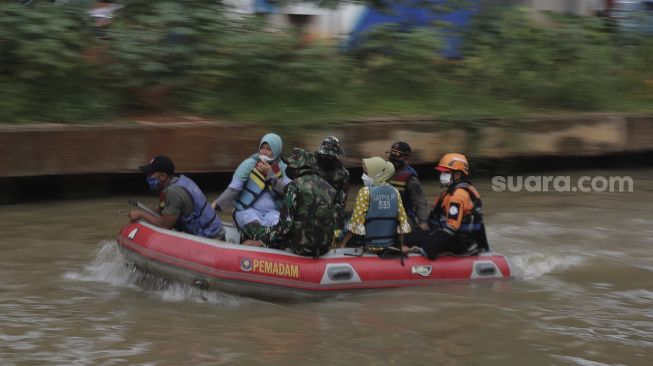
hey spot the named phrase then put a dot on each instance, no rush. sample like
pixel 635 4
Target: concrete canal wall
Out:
pixel 210 146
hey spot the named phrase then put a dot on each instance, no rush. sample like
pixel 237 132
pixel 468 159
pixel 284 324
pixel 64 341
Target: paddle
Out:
pixel 142 207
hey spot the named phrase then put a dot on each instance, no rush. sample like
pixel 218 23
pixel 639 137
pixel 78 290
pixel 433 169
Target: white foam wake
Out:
pixel 584 362
pixel 535 265
pixel 109 266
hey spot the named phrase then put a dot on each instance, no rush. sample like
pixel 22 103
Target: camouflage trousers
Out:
pixel 252 231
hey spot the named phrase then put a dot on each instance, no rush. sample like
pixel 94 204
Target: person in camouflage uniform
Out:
pixel 307 217
pixel 329 158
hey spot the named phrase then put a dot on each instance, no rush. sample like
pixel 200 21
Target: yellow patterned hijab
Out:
pixel 378 169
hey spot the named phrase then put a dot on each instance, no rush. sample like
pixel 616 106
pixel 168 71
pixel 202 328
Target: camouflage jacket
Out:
pixel 338 178
pixel 307 219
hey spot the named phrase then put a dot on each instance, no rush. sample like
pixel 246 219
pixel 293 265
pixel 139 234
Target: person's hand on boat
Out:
pixel 345 239
pixel 135 215
pixel 264 168
pixel 215 207
pixel 253 243
pixel 424 226
pixel 406 249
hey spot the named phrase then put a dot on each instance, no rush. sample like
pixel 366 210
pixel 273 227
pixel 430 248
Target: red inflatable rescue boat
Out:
pixel 281 275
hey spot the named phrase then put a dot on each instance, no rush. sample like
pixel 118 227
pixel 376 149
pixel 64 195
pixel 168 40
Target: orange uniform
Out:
pixel 455 209
pixel 456 224
pixel 456 221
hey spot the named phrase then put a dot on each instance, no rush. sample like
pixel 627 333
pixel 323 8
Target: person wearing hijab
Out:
pixel 379 214
pixel 256 189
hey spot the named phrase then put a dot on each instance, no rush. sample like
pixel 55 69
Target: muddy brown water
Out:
pixel 583 296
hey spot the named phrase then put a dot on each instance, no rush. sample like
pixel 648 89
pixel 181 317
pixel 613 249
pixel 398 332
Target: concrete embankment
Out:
pixel 208 146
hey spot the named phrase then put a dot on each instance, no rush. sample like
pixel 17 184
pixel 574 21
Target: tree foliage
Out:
pixel 197 56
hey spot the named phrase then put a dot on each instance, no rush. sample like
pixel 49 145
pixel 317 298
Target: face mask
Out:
pixel 327 162
pixel 367 181
pixel 265 158
pixel 154 183
pixel 396 161
pixel 291 172
pixel 445 179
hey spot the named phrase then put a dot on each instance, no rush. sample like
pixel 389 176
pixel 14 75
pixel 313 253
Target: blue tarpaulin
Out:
pixel 265 6
pixel 417 13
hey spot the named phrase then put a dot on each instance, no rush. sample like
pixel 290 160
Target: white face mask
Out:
pixel 367 181
pixel 445 178
pixel 265 158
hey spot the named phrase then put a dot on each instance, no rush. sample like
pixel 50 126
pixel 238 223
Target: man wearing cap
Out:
pixel 307 215
pixel 329 158
pixel 408 185
pixel 182 204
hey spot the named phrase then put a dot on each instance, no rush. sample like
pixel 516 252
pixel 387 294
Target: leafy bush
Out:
pixel 567 63
pixel 405 59
pixel 195 56
pixel 157 48
pixel 44 72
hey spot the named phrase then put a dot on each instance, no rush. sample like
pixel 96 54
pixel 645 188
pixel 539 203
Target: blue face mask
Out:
pixel 154 183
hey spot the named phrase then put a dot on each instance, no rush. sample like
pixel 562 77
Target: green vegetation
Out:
pixel 192 57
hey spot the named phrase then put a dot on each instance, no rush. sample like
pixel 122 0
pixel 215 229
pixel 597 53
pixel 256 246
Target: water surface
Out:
pixel 584 296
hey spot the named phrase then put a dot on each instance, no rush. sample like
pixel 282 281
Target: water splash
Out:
pixel 184 293
pixel 584 362
pixel 526 249
pixel 109 266
pixel 534 265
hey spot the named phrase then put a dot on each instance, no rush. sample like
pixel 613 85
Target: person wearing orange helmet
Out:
pixel 457 217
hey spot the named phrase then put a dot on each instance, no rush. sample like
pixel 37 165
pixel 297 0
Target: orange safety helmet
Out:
pixel 453 161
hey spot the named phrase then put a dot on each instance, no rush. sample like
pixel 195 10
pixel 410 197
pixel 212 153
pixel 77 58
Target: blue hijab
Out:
pixel 244 169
